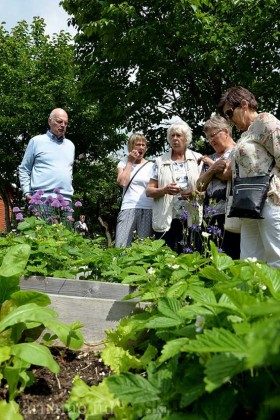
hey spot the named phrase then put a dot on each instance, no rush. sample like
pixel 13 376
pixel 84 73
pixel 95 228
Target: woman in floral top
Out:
pixel 257 148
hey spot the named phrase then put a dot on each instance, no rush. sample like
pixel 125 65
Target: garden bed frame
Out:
pixel 97 305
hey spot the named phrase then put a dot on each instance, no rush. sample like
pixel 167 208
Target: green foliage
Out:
pixel 32 83
pixel 205 345
pixel 59 252
pixel 23 318
pixel 145 61
pixel 55 250
pixel 39 73
pixel 95 185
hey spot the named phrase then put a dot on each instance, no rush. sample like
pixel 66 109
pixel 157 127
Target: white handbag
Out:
pixel 232 224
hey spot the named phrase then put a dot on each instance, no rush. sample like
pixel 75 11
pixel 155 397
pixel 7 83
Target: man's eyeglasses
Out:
pixel 228 114
pixel 210 138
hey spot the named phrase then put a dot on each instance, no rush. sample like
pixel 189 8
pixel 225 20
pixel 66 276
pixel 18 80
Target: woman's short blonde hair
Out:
pixel 134 138
pixel 183 128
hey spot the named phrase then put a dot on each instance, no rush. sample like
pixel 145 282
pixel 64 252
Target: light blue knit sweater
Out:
pixel 47 164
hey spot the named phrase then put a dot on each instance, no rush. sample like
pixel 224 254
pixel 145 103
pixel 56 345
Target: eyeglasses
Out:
pixel 60 122
pixel 210 138
pixel 228 114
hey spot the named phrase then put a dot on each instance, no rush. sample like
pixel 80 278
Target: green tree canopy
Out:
pixel 145 61
pixel 38 73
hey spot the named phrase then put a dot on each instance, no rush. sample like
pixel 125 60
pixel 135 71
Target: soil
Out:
pixel 46 397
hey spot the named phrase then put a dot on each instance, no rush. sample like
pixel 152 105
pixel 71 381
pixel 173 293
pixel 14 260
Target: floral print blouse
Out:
pixel 256 149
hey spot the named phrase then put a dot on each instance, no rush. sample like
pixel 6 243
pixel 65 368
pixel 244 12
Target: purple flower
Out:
pixel 16 210
pixel 221 250
pixel 56 190
pixel 209 211
pixel 187 250
pixel 55 203
pixel 185 215
pixel 50 220
pixel 60 197
pixel 70 219
pixel 64 204
pixel 49 200
pixel 214 230
pixel 37 195
pixel 78 204
pixel 19 216
pixel 38 202
pixel 195 228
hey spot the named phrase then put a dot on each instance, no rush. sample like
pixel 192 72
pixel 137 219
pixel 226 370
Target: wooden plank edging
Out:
pixel 70 287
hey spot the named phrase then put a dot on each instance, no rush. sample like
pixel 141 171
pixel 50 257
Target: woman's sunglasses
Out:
pixel 228 114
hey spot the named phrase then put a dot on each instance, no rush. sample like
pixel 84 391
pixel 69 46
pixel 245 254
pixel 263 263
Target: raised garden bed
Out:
pixel 97 305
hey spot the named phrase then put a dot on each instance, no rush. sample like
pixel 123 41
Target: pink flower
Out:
pixel 55 203
pixel 78 204
pixel 19 216
pixel 16 209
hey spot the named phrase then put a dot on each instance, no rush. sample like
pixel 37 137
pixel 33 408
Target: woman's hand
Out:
pixel 206 160
pixel 185 194
pixel 172 189
pixel 133 156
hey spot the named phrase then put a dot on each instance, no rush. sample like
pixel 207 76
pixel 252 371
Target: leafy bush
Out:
pixel 207 347
pixel 55 250
pixel 23 317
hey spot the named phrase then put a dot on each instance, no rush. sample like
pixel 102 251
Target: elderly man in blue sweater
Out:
pixel 47 164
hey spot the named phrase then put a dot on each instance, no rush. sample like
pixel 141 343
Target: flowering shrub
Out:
pixel 197 237
pixel 51 209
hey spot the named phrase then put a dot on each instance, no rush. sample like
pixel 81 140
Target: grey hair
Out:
pixel 55 111
pixel 217 123
pixel 183 127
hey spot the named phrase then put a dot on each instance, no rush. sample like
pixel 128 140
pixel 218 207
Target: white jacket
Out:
pixel 163 206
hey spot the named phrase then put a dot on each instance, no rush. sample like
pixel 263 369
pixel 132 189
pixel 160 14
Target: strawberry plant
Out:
pixel 206 347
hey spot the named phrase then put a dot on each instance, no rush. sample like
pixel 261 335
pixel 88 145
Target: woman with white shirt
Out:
pixel 134 171
pixel 257 148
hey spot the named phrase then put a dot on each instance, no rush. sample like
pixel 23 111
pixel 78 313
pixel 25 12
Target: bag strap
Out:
pixel 128 185
pixel 228 190
pixel 268 171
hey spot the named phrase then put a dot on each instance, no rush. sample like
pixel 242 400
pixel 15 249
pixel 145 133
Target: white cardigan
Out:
pixel 163 206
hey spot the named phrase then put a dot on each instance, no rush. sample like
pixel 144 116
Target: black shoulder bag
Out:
pixel 249 194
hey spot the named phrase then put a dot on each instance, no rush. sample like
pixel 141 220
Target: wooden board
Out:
pixel 97 305
pixel 96 315
pixel 83 288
